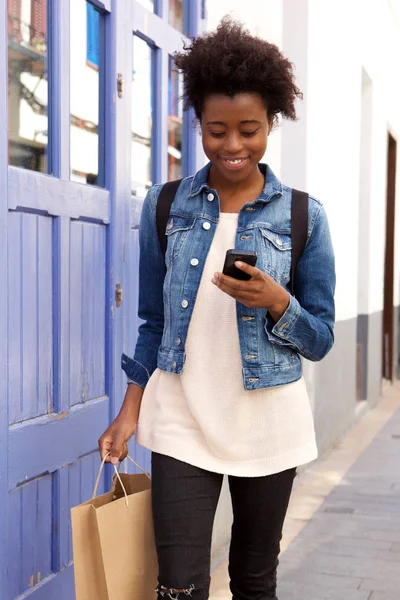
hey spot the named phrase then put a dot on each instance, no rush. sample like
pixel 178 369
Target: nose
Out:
pixel 233 142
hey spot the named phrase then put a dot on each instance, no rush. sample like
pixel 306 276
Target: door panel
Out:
pixel 30 534
pixel 30 355
pixel 87 311
pixel 60 320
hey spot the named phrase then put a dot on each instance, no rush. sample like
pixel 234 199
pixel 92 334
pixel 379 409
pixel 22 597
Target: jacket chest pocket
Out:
pixel 177 231
pixel 276 253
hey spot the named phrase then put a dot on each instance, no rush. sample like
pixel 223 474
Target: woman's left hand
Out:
pixel 261 291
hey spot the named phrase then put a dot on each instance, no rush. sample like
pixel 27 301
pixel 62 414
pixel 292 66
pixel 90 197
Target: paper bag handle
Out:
pixel 96 485
pixel 139 467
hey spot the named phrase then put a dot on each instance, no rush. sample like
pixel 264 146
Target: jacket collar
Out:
pixel 272 184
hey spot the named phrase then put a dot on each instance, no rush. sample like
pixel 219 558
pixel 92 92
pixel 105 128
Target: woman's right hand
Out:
pixel 114 440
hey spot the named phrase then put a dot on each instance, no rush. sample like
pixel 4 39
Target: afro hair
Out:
pixel 231 61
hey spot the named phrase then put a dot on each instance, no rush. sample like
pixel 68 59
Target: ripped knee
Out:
pixel 174 593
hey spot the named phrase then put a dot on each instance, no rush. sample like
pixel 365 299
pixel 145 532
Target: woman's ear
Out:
pixel 270 124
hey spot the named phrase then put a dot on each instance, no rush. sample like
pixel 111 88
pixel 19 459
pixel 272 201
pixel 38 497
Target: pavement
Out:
pixel 341 537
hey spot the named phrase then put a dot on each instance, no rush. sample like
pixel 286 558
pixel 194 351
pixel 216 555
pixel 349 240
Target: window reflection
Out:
pixel 27 84
pixel 85 92
pixel 176 14
pixel 175 122
pixel 141 168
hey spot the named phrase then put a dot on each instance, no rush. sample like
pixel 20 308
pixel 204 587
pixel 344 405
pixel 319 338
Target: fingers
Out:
pixel 124 452
pixel 257 276
pixel 236 286
pixel 256 292
pixel 105 445
pixel 238 295
pixel 115 446
pixel 252 271
pixel 117 449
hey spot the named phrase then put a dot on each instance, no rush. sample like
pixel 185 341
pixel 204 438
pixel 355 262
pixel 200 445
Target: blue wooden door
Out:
pixel 62 215
pixel 90 100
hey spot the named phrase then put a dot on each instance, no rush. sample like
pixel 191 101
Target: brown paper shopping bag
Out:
pixel 113 542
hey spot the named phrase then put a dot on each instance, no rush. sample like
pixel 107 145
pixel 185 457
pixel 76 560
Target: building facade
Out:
pixel 89 101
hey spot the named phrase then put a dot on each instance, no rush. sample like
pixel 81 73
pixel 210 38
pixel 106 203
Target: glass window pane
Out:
pixel 175 122
pixel 149 4
pixel 27 84
pixel 176 14
pixel 141 168
pixel 85 92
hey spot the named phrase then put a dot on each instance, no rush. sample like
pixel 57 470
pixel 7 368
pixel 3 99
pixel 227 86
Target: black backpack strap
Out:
pixel 299 230
pixel 164 203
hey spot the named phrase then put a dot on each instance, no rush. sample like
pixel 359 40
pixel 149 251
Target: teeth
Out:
pixel 234 162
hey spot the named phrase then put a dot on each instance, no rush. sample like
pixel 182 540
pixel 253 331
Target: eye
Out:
pixel 249 133
pixel 217 134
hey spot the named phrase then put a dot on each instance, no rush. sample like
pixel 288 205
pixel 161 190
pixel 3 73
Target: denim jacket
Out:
pixel 270 351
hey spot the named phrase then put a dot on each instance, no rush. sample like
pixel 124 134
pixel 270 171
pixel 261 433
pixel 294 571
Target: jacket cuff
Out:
pixel 280 332
pixel 136 373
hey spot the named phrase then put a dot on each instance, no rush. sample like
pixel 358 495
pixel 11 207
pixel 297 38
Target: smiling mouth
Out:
pixel 234 163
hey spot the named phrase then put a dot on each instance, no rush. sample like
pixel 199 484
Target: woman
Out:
pixel 219 358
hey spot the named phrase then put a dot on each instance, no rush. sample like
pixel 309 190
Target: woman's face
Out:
pixel 235 132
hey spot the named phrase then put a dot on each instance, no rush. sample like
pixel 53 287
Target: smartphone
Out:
pixel 232 256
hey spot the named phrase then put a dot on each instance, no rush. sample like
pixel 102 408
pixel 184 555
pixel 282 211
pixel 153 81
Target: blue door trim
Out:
pixel 35 448
pixel 156 29
pixel 104 6
pixel 3 300
pixel 59 88
pixel 45 194
pixel 56 586
pixel 118 134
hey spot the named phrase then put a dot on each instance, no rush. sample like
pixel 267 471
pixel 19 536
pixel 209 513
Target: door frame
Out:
pixel 49 197
pixel 3 297
pixel 118 217
pixel 388 320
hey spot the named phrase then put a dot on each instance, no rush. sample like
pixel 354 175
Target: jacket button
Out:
pixel 206 226
pixel 174 365
pixel 194 262
pixel 178 341
pixel 210 197
pixel 184 303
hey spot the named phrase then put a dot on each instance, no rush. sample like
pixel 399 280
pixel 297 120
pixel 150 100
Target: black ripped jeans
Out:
pixel 184 503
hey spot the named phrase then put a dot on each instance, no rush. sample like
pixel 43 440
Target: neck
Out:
pixel 233 196
pixel 254 183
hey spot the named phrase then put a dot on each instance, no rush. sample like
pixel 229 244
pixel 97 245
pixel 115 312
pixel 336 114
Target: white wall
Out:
pixel 331 44
pixel 339 49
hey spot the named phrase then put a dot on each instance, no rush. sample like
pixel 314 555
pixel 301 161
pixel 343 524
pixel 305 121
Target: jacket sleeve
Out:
pixel 308 322
pixel 151 302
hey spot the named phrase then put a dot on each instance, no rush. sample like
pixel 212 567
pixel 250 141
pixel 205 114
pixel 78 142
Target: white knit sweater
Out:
pixel 205 417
